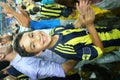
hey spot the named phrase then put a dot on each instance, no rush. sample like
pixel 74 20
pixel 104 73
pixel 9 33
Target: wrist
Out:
pixel 89 25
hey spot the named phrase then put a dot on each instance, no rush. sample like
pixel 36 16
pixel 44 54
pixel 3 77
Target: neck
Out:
pixel 53 41
pixel 10 56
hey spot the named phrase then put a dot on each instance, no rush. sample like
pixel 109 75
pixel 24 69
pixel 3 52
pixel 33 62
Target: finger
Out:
pixel 89 3
pixel 78 8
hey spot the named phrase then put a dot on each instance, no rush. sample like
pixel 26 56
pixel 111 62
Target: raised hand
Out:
pixel 6 8
pixel 87 15
pixel 11 2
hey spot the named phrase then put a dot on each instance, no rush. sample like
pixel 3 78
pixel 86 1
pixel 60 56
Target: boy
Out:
pixel 70 41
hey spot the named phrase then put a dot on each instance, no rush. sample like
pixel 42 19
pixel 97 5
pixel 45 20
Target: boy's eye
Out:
pixel 32 35
pixel 33 46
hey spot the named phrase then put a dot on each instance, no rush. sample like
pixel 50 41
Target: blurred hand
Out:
pixel 87 15
pixel 11 2
pixel 7 9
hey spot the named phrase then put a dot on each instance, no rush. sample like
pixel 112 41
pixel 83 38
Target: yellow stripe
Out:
pixel 59 28
pixel 50 10
pixel 65 51
pixel 54 5
pixel 112 48
pixel 64 46
pixel 61 48
pixel 114 34
pixel 66 32
pixel 100 53
pixel 50 14
pixel 84 39
pixel 22 75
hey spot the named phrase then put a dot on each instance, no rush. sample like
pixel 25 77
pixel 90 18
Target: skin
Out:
pixel 35 41
pixel 22 18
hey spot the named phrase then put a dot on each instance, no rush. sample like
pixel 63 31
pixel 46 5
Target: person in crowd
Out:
pixel 25 20
pixel 37 67
pixel 51 10
pixel 5 69
pixel 48 10
pixel 85 43
pixel 12 71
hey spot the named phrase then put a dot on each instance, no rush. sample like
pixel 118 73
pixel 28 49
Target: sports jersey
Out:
pixel 77 44
pixel 55 10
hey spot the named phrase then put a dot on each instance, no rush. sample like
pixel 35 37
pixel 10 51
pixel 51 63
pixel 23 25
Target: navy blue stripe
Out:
pixel 68 56
pixel 115 42
pixel 52 8
pixel 104 29
pixel 107 29
pixel 73 35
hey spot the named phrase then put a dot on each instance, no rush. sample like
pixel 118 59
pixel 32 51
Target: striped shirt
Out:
pixel 77 44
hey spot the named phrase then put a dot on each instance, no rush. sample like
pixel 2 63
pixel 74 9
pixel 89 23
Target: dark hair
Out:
pixel 23 6
pixel 18 28
pixel 34 10
pixel 31 12
pixel 37 0
pixel 68 3
pixel 19 49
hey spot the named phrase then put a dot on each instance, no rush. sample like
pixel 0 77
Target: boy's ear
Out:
pixel 2 56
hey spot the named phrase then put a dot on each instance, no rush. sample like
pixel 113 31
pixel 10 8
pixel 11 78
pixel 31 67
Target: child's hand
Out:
pixel 87 15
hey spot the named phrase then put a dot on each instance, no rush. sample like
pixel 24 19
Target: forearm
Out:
pixel 22 20
pixel 22 11
pixel 37 68
pixel 69 65
pixel 77 23
pixel 95 37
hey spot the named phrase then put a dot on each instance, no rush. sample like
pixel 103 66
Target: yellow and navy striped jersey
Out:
pixel 51 10
pixel 55 10
pixel 76 43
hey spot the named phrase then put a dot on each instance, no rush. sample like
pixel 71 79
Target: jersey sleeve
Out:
pixel 88 52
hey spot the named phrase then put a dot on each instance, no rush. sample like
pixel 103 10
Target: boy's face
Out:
pixel 35 41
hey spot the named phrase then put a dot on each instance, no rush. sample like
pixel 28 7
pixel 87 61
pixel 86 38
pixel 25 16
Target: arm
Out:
pixel 87 17
pixel 37 68
pixel 12 3
pixel 69 65
pixel 78 23
pixel 22 11
pixel 23 20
